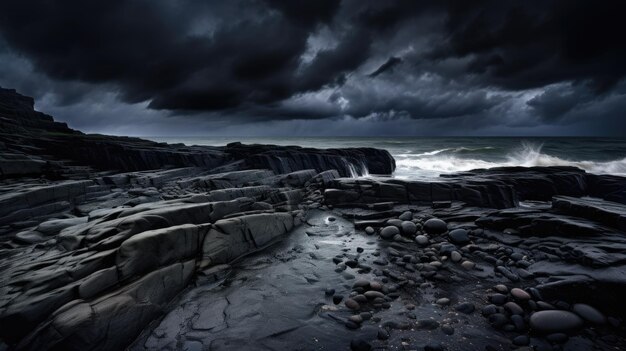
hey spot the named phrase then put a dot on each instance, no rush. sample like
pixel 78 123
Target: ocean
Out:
pixel 420 157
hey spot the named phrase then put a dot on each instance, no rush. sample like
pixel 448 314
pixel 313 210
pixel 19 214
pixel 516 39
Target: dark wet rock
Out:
pixel 498 299
pixel 513 308
pixel 468 265
pixel 428 324
pixel 229 238
pixel 421 239
pixel 94 257
pixel 589 313
pixel 435 226
pixel 459 236
pixel 389 232
pixel 520 294
pixel 352 304
pixel 555 321
pixel 443 301
pixel 406 216
pixel 465 307
pixel 408 228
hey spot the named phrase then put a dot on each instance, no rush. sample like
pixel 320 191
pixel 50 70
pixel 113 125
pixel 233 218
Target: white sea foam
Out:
pixel 433 163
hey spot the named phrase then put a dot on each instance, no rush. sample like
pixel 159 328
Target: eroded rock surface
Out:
pixel 120 242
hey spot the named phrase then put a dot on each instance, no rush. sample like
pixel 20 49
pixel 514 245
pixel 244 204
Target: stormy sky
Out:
pixel 323 67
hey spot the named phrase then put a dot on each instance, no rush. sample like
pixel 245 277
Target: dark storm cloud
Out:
pixel 489 61
pixel 388 65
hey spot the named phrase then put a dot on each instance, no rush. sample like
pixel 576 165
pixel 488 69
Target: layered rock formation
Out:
pixel 112 242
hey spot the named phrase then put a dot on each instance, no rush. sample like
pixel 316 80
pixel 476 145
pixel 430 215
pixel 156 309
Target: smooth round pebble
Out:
pixel 369 230
pixel 435 226
pixel 352 304
pixel 389 232
pixel 468 265
pixel 408 228
pixel 589 313
pixel 421 239
pixel 465 307
pixel 555 321
pixel 406 216
pixel 501 288
pixel 513 308
pixel 455 256
pixel 520 294
pixel 498 299
pixel 459 236
pixel 376 286
pixel 443 301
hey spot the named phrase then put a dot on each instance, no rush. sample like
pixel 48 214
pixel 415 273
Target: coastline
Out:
pixel 107 239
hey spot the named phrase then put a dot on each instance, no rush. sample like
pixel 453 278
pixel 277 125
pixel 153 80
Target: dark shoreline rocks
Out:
pixel 103 239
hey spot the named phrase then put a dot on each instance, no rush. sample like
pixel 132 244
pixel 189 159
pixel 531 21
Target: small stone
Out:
pixel 383 334
pixel 361 283
pixel 421 239
pixel 337 299
pixel 555 321
pixel 373 294
pixel 501 288
pixel 468 265
pixel 359 249
pixel 376 286
pixel 518 322
pixel 406 216
pixel 489 310
pixel 356 318
pixel 465 307
pixel 352 304
pixel 455 256
pixel 513 308
pixel 369 230
pixel 360 298
pixel 408 228
pixel 394 222
pixel 459 236
pixel 389 232
pixel 447 329
pixel 352 263
pixel 435 226
pixel 498 299
pixel 589 313
pixel 443 301
pixel 520 294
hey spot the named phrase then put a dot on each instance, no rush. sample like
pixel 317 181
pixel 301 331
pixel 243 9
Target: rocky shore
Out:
pixel 110 243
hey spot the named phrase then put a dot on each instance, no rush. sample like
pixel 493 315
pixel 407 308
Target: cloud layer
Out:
pixel 468 67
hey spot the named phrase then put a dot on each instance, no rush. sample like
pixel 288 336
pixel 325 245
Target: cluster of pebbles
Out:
pixel 417 253
pixel 522 313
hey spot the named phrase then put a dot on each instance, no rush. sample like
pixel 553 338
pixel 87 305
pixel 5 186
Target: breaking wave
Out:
pixel 450 160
